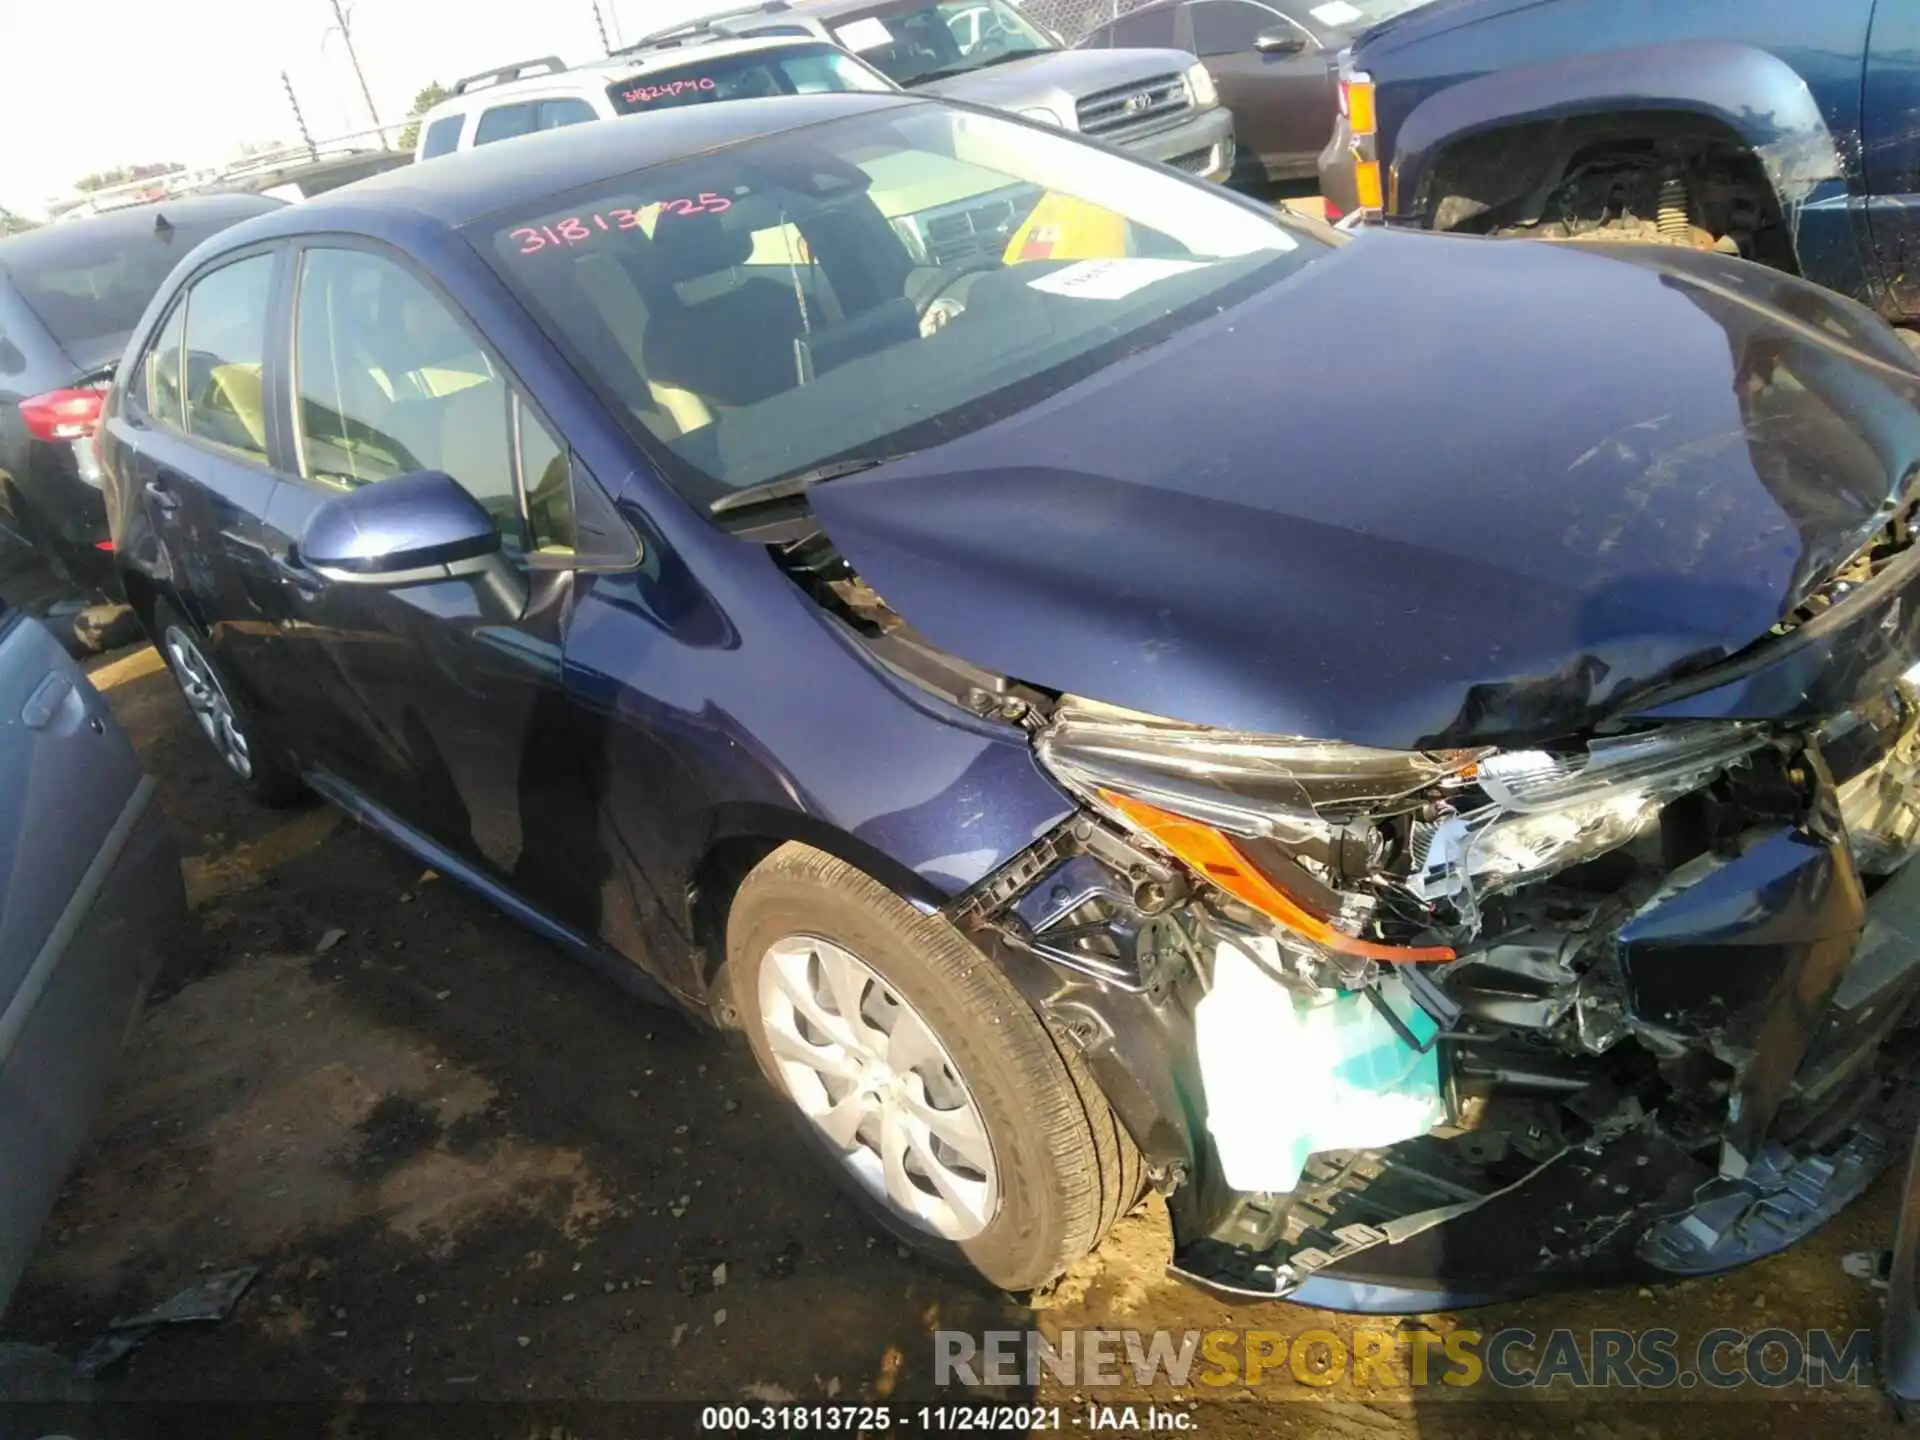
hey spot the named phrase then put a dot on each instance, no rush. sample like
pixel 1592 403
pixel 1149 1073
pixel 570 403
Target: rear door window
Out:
pixel 443 136
pixel 565 111
pixel 226 346
pixel 504 122
pixel 791 70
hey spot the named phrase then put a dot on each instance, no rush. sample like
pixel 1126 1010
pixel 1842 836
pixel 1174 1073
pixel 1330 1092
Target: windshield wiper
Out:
pixel 788 486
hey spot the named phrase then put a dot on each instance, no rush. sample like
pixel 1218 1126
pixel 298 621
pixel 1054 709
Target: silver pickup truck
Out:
pixel 1159 104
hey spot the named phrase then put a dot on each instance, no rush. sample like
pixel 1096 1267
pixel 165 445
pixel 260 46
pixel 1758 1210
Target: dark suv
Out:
pixel 1778 130
pixel 69 295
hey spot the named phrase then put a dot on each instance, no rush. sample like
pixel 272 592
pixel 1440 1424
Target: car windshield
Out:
pixel 791 70
pixel 873 284
pixel 89 283
pixel 912 43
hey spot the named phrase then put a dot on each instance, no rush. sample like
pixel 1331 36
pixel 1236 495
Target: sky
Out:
pixel 191 80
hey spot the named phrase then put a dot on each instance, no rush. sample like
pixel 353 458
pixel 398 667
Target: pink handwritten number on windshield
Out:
pixel 647 94
pixel 579 229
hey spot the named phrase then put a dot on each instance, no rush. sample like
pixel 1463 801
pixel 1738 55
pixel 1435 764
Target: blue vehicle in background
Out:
pixel 1783 131
pixel 1011 673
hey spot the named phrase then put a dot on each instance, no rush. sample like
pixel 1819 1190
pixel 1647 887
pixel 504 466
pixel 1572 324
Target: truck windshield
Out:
pixel 871 285
pixel 937 38
pixel 789 70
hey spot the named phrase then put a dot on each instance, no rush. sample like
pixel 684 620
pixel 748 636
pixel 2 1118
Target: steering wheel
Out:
pixel 951 276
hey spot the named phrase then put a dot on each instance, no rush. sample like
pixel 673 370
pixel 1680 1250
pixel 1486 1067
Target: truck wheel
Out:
pixel 221 715
pixel 924 1078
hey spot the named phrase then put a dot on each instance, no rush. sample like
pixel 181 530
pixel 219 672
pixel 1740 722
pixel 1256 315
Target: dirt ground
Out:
pixel 469 1169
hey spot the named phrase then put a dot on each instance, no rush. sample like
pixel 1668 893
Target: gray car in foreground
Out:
pixel 90 896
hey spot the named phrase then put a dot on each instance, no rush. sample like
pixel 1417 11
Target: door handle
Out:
pixel 46 701
pixel 161 496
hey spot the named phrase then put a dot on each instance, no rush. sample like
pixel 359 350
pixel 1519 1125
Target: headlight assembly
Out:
pixel 1200 86
pixel 1360 854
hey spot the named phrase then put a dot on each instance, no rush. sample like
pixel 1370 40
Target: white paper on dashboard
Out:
pixel 1110 279
pixel 865 34
pixel 1337 12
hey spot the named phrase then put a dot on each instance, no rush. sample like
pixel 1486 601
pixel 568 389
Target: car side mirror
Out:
pixel 1280 40
pixel 410 530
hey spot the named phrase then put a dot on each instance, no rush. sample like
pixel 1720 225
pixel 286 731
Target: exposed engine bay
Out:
pixel 1395 1028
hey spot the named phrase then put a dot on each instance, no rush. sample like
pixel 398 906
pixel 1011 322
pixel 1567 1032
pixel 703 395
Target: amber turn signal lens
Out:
pixel 1218 860
pixel 1366 185
pixel 1360 118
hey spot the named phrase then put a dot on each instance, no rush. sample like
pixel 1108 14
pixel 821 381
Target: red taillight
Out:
pixel 63 414
pixel 106 545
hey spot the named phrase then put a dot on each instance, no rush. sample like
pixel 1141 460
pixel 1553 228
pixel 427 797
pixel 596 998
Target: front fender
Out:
pixel 1748 92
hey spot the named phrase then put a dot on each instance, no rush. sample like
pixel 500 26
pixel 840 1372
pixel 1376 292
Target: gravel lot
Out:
pixel 469 1169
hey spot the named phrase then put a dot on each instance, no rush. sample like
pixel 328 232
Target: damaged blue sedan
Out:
pixel 1406 745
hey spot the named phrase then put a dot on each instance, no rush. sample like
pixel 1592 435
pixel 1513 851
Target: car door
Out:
pixel 199 440
pixel 1282 103
pixel 1891 153
pixel 433 701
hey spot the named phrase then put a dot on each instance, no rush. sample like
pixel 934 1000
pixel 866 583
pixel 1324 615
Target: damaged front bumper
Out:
pixel 1675 1072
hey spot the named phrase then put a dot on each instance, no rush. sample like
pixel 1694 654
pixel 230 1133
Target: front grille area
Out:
pixel 1194 162
pixel 1141 105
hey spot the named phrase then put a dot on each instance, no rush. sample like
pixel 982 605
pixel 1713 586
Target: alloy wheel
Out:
pixel 208 701
pixel 866 1068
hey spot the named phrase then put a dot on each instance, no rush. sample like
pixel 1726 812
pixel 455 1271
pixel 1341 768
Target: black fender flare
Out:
pixel 1744 91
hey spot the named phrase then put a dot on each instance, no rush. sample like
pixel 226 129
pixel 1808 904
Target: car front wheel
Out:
pixel 922 1076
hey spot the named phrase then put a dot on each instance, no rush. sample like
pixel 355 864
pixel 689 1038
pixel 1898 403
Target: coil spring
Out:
pixel 1676 211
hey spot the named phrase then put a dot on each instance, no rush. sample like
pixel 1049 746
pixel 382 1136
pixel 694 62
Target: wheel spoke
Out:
pixel 960 1129
pixel 848 979
pixel 800 994
pixel 831 1060
pixel 841 1120
pixel 893 1160
pixel 965 1194
pixel 910 1044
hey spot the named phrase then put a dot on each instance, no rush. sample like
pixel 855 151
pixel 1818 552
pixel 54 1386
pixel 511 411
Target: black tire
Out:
pixel 271 780
pixel 1066 1169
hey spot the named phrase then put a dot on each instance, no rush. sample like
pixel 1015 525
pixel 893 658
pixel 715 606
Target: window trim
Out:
pixel 135 408
pixel 518 393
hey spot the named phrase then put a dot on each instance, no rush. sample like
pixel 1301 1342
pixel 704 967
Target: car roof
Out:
pixel 597 74
pixel 465 185
pixel 134 222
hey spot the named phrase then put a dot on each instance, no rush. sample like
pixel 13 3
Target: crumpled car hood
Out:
pixel 1426 490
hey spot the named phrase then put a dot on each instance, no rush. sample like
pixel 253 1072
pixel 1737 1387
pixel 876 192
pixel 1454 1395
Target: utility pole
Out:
pixel 606 45
pixel 343 22
pixel 298 118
